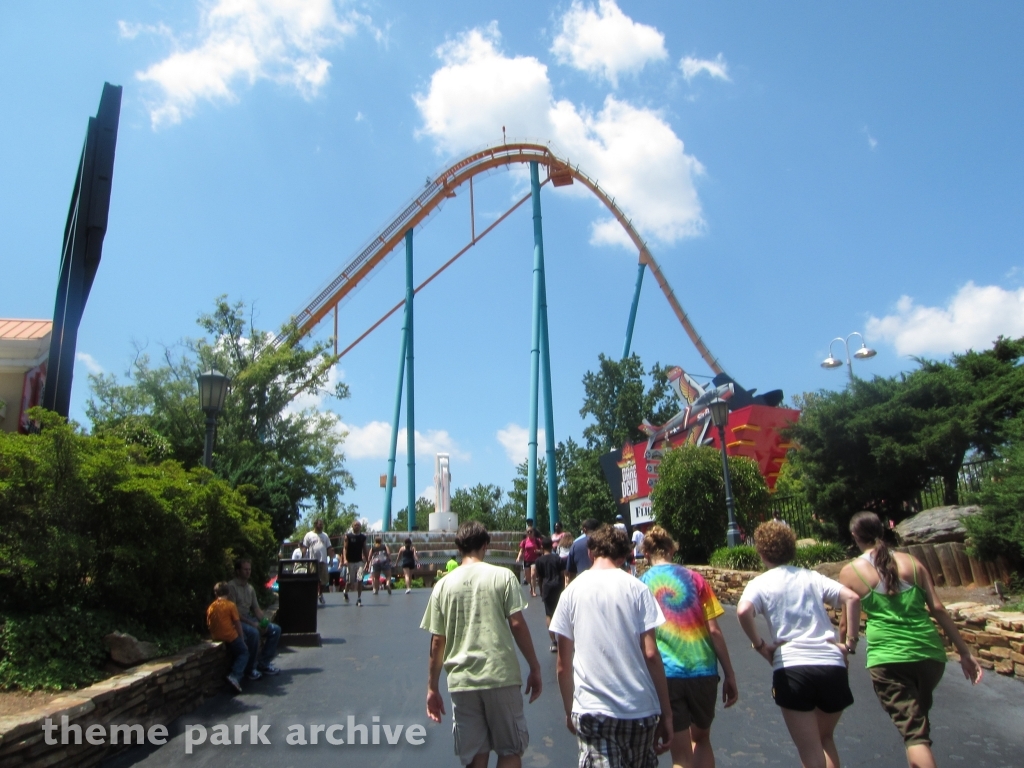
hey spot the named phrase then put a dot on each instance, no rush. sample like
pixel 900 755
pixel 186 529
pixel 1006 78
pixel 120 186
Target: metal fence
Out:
pixel 798 513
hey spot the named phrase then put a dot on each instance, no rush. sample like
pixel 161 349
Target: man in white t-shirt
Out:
pixel 317 543
pixel 638 549
pixel 610 672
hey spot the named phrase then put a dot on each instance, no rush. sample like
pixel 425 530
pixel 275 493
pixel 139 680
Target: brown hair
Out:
pixel 608 541
pixel 220 589
pixel 775 542
pixel 866 527
pixel 658 543
pixel 471 537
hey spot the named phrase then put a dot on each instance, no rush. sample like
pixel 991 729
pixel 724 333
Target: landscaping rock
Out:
pixel 831 570
pixel 127 651
pixel 935 526
pixel 805 543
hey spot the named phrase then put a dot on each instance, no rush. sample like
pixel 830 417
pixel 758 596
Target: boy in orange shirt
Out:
pixel 226 626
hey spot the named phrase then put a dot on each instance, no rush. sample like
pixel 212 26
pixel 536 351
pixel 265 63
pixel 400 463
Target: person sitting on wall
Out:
pixel 254 623
pixel 226 627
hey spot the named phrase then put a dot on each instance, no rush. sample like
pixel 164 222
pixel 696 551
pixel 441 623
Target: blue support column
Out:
pixel 549 412
pixel 538 286
pixel 632 310
pixel 410 403
pixel 541 351
pixel 389 485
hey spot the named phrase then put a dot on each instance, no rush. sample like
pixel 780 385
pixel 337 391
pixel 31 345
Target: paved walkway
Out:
pixel 374 663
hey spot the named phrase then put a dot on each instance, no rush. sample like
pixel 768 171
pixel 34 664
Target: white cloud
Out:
pixel 373 441
pixel 716 67
pixel 604 41
pixel 972 319
pixel 315 400
pixel 516 442
pixel 631 151
pixel 90 363
pixel 243 41
pixel 427 493
pixel 872 141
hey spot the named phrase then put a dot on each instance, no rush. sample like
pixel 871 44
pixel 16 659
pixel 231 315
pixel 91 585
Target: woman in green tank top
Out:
pixel 905 656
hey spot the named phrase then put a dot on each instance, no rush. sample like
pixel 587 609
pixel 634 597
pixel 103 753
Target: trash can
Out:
pixel 297 594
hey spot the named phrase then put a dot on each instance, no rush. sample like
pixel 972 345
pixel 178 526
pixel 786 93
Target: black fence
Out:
pixel 798 513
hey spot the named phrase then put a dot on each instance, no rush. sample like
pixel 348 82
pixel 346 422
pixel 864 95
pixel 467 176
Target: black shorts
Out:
pixel 806 688
pixel 551 602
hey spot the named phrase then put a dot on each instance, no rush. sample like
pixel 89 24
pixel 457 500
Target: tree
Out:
pixel 424 508
pixel 618 401
pixel 999 528
pixel 336 521
pixel 282 453
pixel 485 504
pixel 876 444
pixel 582 488
pixel 689 498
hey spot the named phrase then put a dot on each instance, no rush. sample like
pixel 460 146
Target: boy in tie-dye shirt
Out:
pixel 692 647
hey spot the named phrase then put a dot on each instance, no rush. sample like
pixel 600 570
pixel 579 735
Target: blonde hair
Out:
pixel 658 543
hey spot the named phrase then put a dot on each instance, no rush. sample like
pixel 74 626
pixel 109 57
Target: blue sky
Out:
pixel 800 173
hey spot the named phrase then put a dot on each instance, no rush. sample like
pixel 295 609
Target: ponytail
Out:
pixel 867 528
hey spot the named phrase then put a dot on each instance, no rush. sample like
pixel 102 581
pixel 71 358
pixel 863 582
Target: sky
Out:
pixel 800 173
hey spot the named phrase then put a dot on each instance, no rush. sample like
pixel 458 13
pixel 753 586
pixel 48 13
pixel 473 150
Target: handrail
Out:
pixel 437 191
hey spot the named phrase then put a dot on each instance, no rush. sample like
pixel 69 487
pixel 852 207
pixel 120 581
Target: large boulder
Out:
pixel 935 526
pixel 127 651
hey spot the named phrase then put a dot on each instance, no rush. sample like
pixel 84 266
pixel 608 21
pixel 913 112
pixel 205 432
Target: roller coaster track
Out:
pixel 442 187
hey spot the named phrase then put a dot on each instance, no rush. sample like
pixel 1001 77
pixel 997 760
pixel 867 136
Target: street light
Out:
pixel 861 354
pixel 213 388
pixel 719 417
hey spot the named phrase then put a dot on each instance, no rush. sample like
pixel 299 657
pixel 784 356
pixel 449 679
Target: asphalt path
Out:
pixel 373 663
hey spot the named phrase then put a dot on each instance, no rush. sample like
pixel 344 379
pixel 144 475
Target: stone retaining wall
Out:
pixel 151 694
pixel 996 637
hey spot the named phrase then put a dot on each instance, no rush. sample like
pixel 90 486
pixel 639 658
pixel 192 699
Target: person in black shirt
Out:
pixel 548 569
pixel 354 552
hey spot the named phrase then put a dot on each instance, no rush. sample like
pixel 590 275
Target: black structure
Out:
pixel 83 246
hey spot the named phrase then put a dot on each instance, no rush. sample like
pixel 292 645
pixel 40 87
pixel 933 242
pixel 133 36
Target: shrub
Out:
pixel 827 552
pixel 689 498
pixel 742 558
pixel 88 525
pixel 999 528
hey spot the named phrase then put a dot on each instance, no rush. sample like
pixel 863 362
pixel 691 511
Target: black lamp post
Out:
pixel 213 388
pixel 720 417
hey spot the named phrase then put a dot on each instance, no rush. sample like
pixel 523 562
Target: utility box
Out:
pixel 297 592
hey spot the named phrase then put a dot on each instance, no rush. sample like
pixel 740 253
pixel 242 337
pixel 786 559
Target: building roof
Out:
pixel 24 344
pixel 27 330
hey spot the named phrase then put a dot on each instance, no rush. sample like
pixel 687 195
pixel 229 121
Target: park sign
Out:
pixel 753 430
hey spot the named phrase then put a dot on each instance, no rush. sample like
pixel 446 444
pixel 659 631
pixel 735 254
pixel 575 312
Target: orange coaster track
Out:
pixel 442 187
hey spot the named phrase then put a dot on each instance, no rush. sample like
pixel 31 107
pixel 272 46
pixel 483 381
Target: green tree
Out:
pixel 617 399
pixel 285 456
pixel 483 503
pixel 689 498
pixel 999 528
pixel 582 488
pixel 424 508
pixel 876 444
pixel 336 521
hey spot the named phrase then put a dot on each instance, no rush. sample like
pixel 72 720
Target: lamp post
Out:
pixel 213 388
pixel 720 417
pixel 861 354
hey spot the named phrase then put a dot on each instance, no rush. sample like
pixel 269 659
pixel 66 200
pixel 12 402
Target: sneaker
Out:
pixel 346 597
pixel 553 648
pixel 359 601
pixel 269 669
pixel 408 591
pixel 255 675
pixel 322 601
pixel 233 682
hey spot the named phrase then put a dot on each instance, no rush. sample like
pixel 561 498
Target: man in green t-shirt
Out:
pixel 475 618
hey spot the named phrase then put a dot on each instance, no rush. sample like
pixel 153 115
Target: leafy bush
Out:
pixel 689 498
pixel 828 552
pixel 999 528
pixel 88 525
pixel 742 558
pixel 64 648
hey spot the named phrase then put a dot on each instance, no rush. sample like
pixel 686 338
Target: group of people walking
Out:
pixel 640 660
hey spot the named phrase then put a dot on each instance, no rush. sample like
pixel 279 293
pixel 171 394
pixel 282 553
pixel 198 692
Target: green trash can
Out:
pixel 297 595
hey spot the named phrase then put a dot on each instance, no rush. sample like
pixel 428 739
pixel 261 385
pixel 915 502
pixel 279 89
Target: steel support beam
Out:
pixel 389 484
pixel 632 310
pixel 410 391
